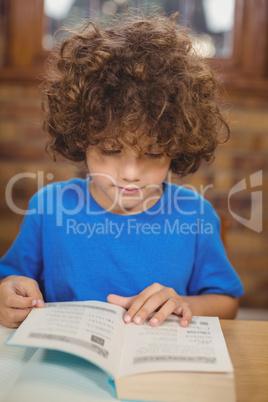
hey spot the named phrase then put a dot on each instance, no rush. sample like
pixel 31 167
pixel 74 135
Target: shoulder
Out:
pixel 185 199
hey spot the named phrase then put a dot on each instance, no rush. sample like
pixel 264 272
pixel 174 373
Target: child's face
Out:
pixel 123 183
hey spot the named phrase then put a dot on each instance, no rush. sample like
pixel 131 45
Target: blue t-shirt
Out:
pixel 78 251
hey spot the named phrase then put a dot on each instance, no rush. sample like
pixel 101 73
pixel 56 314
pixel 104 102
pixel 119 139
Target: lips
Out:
pixel 129 190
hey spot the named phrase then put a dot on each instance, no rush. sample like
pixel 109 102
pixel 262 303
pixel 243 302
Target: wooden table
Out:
pixel 247 343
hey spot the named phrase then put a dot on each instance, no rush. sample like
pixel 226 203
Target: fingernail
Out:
pixel 185 323
pixel 127 318
pixel 154 321
pixel 40 301
pixel 34 302
pixel 137 320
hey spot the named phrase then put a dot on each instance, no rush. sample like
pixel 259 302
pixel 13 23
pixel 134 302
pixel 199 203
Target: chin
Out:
pixel 128 206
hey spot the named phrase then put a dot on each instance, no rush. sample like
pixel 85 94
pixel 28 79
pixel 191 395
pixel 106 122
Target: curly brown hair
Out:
pixel 138 83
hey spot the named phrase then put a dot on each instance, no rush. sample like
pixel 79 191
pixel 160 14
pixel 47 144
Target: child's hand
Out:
pixel 151 298
pixel 18 294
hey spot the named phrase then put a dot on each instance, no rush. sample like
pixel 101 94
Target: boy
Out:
pixel 132 101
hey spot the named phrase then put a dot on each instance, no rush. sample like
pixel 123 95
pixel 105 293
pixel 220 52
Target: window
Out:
pixel 213 20
pixel 236 40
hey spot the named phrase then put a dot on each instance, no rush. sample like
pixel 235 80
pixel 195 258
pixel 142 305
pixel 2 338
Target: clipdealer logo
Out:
pixel 255 221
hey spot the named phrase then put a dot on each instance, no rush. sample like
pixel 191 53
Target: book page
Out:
pixel 91 329
pixel 199 347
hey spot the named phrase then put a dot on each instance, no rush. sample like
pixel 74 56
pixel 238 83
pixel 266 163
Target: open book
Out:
pixel 166 363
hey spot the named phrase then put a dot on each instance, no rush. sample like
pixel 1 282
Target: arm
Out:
pixel 23 261
pixel 222 306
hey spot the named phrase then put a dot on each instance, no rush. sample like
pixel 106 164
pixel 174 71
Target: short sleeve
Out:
pixel 212 272
pixel 25 255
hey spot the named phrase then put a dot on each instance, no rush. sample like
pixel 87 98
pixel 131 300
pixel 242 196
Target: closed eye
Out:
pixel 110 153
pixel 154 156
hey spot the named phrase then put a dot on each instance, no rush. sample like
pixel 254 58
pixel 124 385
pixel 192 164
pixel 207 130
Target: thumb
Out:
pixel 29 288
pixel 122 301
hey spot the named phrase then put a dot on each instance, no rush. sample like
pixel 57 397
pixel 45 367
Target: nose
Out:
pixel 131 169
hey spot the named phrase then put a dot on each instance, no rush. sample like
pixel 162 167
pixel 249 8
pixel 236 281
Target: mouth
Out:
pixel 129 190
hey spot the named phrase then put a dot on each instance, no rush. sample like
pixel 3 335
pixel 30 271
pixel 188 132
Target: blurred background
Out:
pixel 233 35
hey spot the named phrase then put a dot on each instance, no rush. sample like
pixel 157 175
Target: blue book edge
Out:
pixel 110 377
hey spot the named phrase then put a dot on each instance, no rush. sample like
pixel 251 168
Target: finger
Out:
pixel 16 316
pixel 141 300
pixel 122 301
pixel 30 288
pixel 186 313
pixel 186 317
pixel 9 324
pixel 168 308
pixel 17 301
pixel 23 293
pixel 140 310
pixel 40 303
pixel 20 302
pixel 13 300
pixel 12 324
